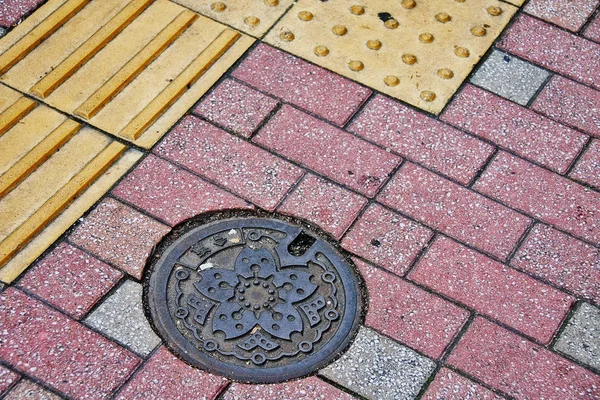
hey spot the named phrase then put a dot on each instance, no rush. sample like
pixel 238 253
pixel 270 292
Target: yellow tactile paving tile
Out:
pixel 133 72
pixel 414 50
pixel 39 183
pixel 253 17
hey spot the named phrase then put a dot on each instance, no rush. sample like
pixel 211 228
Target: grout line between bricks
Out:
pixel 134 373
pixel 24 376
pixel 539 90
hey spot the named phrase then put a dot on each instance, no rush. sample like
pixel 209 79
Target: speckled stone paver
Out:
pixel 448 385
pixel 587 169
pixel 119 234
pixel 296 81
pixel 328 150
pixel 492 288
pixel 380 369
pixel 164 376
pixel 510 77
pixel 236 107
pixel 121 317
pixel 593 29
pixel 27 390
pixel 562 260
pixel 42 343
pixel 311 388
pixel 544 195
pixel 515 128
pixel 11 11
pixel 454 210
pixel 171 193
pixel 237 165
pixel 326 204
pixel 409 314
pixel 387 239
pixel 7 378
pixel 571 103
pixel 581 337
pixel 70 280
pixel 520 368
pixel 421 139
pixel 566 13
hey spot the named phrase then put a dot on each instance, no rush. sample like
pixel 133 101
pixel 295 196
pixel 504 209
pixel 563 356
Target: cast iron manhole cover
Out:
pixel 254 299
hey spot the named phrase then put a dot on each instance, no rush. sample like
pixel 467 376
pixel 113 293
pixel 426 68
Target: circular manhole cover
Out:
pixel 254 299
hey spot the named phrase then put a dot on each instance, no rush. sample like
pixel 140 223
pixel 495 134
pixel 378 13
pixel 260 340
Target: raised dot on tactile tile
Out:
pixel 427 95
pixel 462 52
pixel 305 15
pixel 409 59
pixel 409 4
pixel 355 65
pixel 478 31
pixel 494 10
pixel 340 30
pixel 287 36
pixel 321 51
pixel 426 37
pixel 445 73
pixel 374 44
pixel 460 1
pixel 252 20
pixel 218 6
pixel 272 3
pixel 443 17
pixel 391 23
pixel 391 80
pixel 357 10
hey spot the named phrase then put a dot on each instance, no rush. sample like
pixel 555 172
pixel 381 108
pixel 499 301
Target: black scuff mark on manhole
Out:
pixel 253 298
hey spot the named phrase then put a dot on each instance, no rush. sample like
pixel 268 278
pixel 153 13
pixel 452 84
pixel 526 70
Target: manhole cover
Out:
pixel 254 299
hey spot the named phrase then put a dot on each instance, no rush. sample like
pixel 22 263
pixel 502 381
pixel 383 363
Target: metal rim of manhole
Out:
pixel 255 298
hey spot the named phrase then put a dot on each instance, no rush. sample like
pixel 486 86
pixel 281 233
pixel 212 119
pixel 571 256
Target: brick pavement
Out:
pixel 477 233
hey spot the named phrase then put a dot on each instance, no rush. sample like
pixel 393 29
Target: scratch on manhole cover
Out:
pixel 254 299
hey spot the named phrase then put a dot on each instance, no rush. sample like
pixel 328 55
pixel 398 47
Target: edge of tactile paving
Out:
pixel 19 263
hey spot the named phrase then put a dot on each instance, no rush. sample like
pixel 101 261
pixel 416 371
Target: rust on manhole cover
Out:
pixel 254 299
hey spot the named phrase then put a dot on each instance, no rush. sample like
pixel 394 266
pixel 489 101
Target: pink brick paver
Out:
pixel 305 85
pixel 236 107
pixel 587 168
pixel 27 390
pixel 164 376
pixel 11 11
pixel 571 103
pixel 7 378
pixel 59 351
pixel 561 260
pixel 120 235
pixel 331 207
pixel 519 367
pixel 387 239
pixel 328 150
pixel 231 162
pixel 515 128
pixel 543 195
pixel 448 385
pixel 492 288
pixel 311 388
pixel 553 48
pixel 173 194
pixel 70 279
pixel 566 13
pixel 455 210
pixel 593 29
pixel 408 314
pixel 421 138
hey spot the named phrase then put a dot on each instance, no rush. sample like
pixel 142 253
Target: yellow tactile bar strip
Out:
pixel 14 113
pixel 114 63
pixel 44 190
pixel 253 17
pixel 419 51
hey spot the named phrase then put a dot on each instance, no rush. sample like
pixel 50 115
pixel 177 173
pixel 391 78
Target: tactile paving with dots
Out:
pixel 415 50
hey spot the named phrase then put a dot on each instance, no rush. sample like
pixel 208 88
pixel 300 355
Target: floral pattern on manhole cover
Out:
pixel 254 299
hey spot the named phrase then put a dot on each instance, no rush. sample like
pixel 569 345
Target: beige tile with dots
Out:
pixel 418 51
